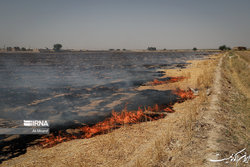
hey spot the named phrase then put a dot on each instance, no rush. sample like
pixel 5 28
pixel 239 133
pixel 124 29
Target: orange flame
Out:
pixel 171 80
pixel 184 95
pixel 118 119
pixel 168 109
pixel 115 121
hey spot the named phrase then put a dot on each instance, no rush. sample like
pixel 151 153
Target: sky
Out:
pixel 129 24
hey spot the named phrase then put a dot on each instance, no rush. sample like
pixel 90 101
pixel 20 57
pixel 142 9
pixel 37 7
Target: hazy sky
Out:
pixel 130 24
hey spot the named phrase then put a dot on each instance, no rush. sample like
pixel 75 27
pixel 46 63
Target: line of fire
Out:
pixel 119 119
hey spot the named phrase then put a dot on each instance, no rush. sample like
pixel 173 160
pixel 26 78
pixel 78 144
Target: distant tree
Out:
pixel 224 47
pixel 194 49
pixel 57 47
pixel 111 49
pixel 23 49
pixel 9 48
pixel 17 48
pixel 164 49
pixel 124 49
pixel 152 48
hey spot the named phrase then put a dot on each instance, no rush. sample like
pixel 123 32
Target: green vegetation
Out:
pixel 23 49
pixel 57 47
pixel 152 48
pixel 194 49
pixel 224 47
pixel 9 48
pixel 17 48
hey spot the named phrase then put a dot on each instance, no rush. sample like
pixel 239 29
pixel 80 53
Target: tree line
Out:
pixel 57 48
pixel 17 48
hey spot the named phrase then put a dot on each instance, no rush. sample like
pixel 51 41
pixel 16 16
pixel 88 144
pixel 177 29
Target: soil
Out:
pixel 209 118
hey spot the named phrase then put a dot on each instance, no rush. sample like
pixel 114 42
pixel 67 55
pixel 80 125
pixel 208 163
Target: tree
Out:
pixel 17 48
pixel 194 49
pixel 9 48
pixel 57 47
pixel 23 49
pixel 224 47
pixel 152 48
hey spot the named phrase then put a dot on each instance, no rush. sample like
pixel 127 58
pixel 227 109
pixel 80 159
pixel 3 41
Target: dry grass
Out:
pixel 235 105
pixel 240 66
pixel 199 74
pixel 244 55
pixel 190 119
pixel 172 141
pixel 205 80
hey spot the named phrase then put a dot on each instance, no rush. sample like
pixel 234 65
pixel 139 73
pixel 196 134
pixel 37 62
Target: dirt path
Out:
pixel 209 118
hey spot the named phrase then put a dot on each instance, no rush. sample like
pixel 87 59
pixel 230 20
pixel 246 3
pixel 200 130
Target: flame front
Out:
pixel 184 95
pixel 171 80
pixel 119 119
pixel 115 121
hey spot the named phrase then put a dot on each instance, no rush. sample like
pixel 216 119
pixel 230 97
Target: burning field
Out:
pixel 86 99
pixel 117 120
